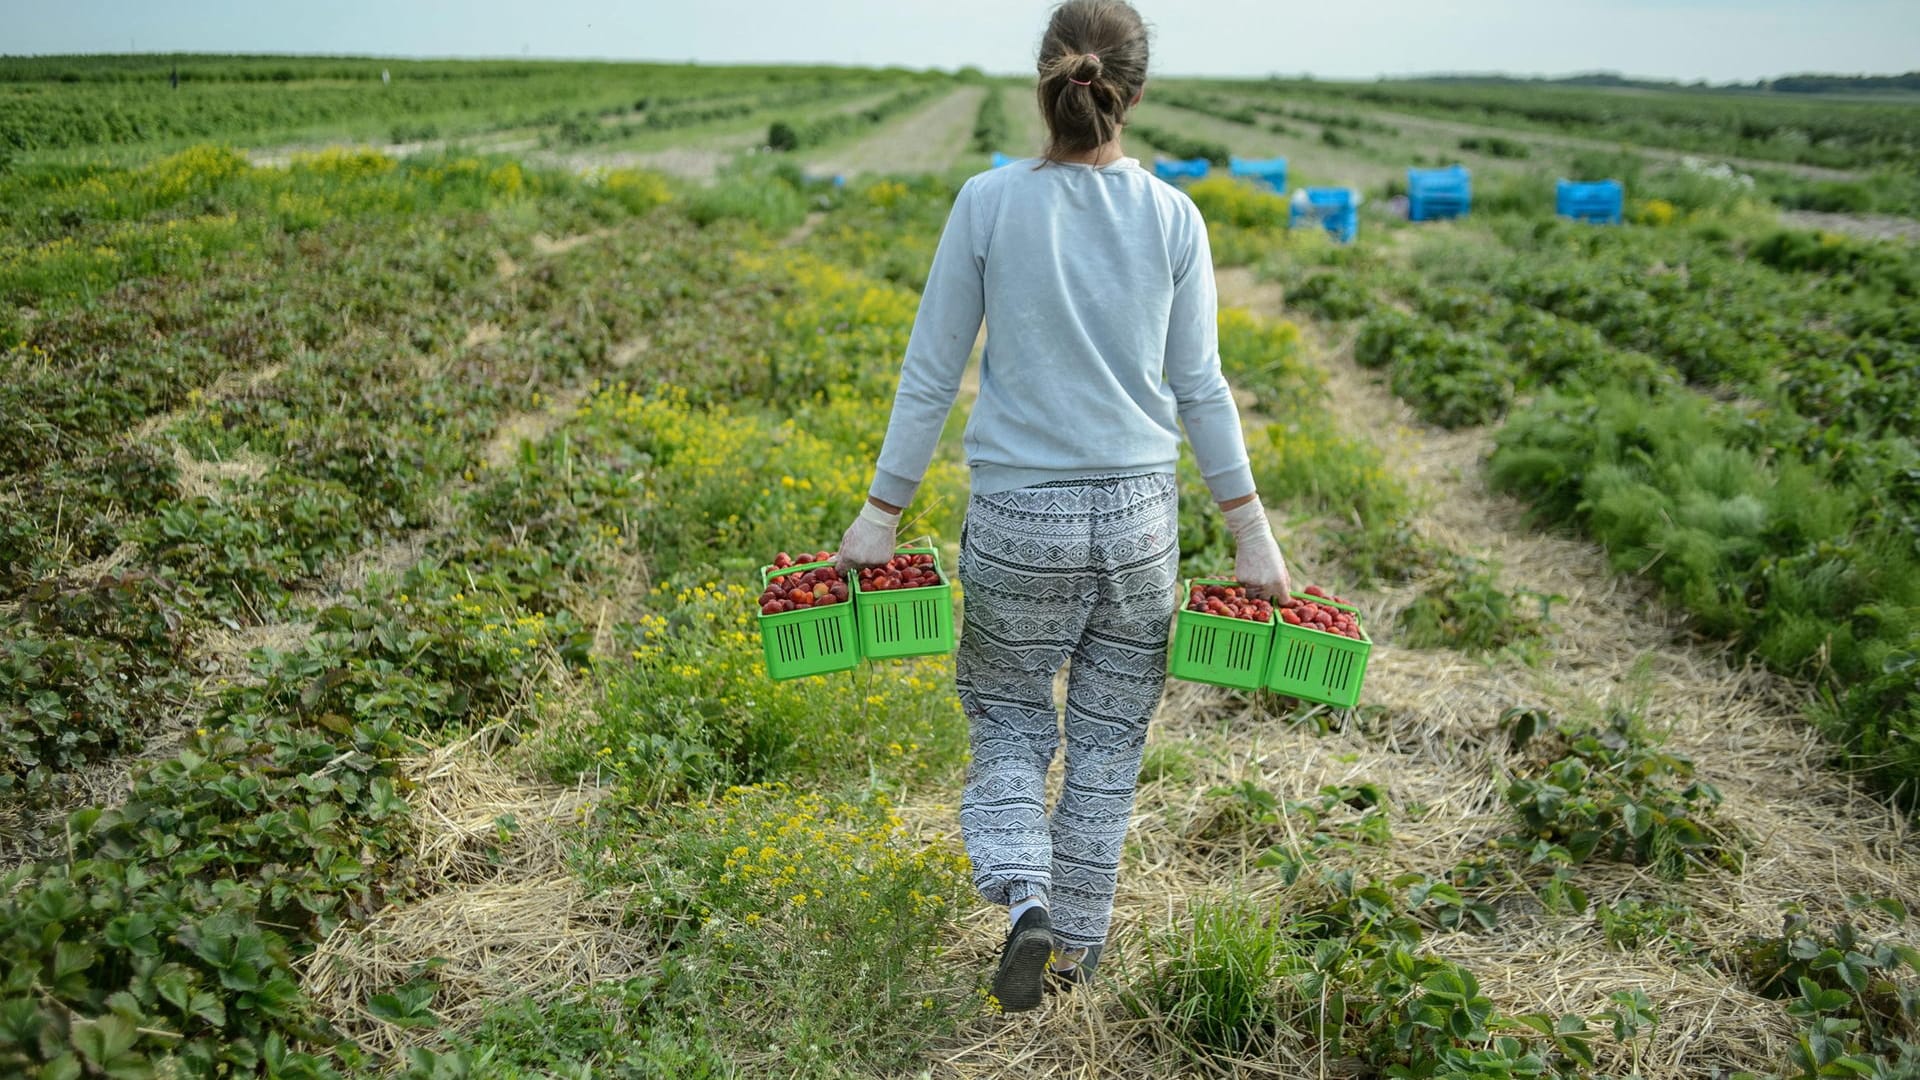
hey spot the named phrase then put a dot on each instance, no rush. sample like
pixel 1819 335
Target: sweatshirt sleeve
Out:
pixel 951 308
pixel 1206 403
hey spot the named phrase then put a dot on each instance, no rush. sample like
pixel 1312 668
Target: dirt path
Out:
pixel 1865 226
pixel 928 139
pixel 1435 746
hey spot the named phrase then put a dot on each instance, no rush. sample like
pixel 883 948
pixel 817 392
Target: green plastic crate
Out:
pixel 1313 665
pixel 810 641
pixel 906 622
pixel 1217 649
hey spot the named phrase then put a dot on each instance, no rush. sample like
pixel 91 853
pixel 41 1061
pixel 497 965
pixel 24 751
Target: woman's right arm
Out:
pixel 951 309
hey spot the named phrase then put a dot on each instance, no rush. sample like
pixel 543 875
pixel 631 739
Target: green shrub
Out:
pixel 765 201
pixel 796 920
pixel 1552 351
pixel 1498 146
pixel 1345 967
pixel 1453 380
pixel 1852 994
pixel 1224 200
pixel 1631 923
pixel 1333 295
pixel 991 130
pixel 1808 573
pixel 1182 146
pixel 674 721
pixel 84 669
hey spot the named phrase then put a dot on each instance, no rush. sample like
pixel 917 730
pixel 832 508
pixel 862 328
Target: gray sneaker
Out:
pixel 1023 962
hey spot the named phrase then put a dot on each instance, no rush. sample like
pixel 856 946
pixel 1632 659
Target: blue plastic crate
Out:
pixel 1271 172
pixel 1336 210
pixel 1600 202
pixel 1000 159
pixel 1175 170
pixel 1438 194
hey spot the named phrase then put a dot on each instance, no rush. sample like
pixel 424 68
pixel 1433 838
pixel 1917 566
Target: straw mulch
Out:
pixel 498 915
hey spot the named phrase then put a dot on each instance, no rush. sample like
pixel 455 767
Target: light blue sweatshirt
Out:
pixel 1096 285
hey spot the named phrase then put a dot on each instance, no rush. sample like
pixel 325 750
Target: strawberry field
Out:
pixel 381 534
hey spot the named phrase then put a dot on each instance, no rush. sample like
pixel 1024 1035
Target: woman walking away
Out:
pixel 1096 284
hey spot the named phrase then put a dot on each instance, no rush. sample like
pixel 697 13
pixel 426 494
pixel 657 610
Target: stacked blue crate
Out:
pixel 1599 202
pixel 1175 170
pixel 1336 209
pixel 1437 194
pixel 1000 159
pixel 1269 171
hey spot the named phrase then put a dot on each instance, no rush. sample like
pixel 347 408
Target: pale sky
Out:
pixel 1718 40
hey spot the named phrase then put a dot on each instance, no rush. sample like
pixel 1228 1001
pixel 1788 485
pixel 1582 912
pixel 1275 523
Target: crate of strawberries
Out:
pixel 1319 650
pixel 904 607
pixel 1308 646
pixel 1221 635
pixel 806 616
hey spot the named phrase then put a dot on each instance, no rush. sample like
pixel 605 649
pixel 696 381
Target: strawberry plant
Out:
pixel 1464 608
pixel 1608 791
pixel 1179 145
pixel 1345 972
pixel 1856 997
pixel 990 129
pixel 83 669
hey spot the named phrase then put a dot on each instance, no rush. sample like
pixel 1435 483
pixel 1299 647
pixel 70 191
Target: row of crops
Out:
pixel 1727 404
pixel 1729 409
pixel 57 103
pixel 1415 127
pixel 1861 133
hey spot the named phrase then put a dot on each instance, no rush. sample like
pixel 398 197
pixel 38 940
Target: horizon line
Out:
pixel 1284 76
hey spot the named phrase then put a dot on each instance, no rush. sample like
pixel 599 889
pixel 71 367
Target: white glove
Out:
pixel 1257 563
pixel 869 540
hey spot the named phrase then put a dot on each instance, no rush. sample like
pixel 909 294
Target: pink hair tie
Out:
pixel 1087 82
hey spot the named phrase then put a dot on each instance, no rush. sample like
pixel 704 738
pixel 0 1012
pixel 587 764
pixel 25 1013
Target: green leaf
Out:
pixel 1639 819
pixel 174 985
pixel 71 962
pixel 400 1011
pixel 64 1067
pixel 1537 1021
pixel 102 1042
pixel 208 1006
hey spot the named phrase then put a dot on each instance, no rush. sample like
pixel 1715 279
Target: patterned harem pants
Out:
pixel 1082 570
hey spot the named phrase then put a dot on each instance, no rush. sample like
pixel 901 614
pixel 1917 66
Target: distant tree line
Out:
pixel 1785 84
